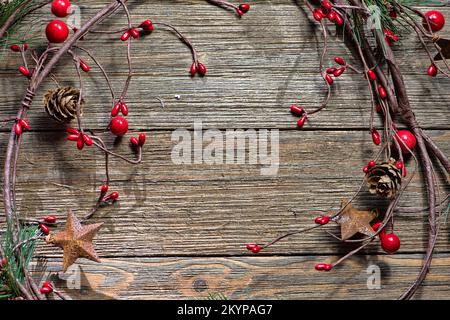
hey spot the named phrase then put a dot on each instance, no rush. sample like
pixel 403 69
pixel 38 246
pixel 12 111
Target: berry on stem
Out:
pixel 318 15
pixel 301 122
pixel 57 31
pixel 339 72
pixel 406 140
pixel 432 70
pixel 50 219
pixel 60 8
pixel 244 7
pixel 119 126
pixel 104 189
pixel 87 140
pixel 15 48
pixel 371 74
pixel 390 242
pixel 24 123
pixel 329 79
pixel 339 20
pixel 24 71
pixel 399 164
pixel 436 19
pixel 382 92
pixel 147 25
pixel 326 4
pixel 193 70
pixel 323 220
pixel 18 129
pixel 134 33
pixel 134 141
pixel 142 138
pixel 44 228
pixel 201 69
pixel 125 36
pixel 366 169
pixel 372 163
pixel 297 110
pixel 115 110
pixel 339 60
pixel 124 108
pixel 84 66
pixel 376 137
pixel 80 143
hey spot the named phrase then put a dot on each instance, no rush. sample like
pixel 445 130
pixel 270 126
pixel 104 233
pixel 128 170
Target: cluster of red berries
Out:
pixel 80 138
pixel 299 111
pixel 146 26
pixel 139 141
pixel 20 126
pixel 253 247
pixel 197 67
pixel 112 196
pixel 57 30
pixel 43 225
pixel 326 11
pixel 335 71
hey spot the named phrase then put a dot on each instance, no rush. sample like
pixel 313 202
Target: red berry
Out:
pixel 193 70
pixel 382 92
pixel 104 189
pixel 371 74
pixel 436 19
pixel 366 169
pixel 406 140
pixel 72 131
pixel 372 164
pixel 376 137
pixel 80 143
pixel 84 66
pixel 329 79
pixel 147 25
pixel 142 138
pixel 320 266
pixel 201 69
pixel 331 70
pixel 119 126
pixel 114 195
pixel 125 36
pixel 57 31
pixel 18 129
pixel 15 48
pixel 256 249
pixel 326 5
pixel 339 60
pixel 73 137
pixel 339 72
pixel 432 70
pixel 297 110
pixel 87 140
pixel 25 47
pixel 318 14
pixel 44 228
pixel 115 109
pixel 46 290
pixel 24 123
pixel 134 141
pixel 322 220
pixel 399 164
pixel 327 267
pixel 24 71
pixel 50 219
pixel 339 20
pixel 390 242
pixel 134 33
pixel 376 226
pixel 301 122
pixel 60 8
pixel 124 109
pixel 332 16
pixel 404 171
pixel 245 7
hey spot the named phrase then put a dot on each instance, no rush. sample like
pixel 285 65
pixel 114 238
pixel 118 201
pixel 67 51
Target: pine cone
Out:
pixel 61 103
pixel 384 179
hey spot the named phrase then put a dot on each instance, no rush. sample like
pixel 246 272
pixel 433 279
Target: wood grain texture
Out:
pixel 178 230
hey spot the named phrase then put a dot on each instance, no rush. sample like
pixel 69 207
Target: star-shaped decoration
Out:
pixel 76 241
pixel 353 221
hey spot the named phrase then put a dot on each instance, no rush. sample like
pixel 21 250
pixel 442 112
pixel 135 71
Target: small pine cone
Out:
pixel 61 103
pixel 384 179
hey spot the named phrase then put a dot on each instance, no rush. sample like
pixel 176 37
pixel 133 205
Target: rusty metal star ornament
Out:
pixel 353 221
pixel 76 241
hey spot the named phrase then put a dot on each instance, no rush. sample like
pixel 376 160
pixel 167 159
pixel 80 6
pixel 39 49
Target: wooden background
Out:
pixel 179 231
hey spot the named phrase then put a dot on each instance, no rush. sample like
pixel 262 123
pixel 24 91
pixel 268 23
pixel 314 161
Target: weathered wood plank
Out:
pixel 248 278
pixel 201 209
pixel 257 67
